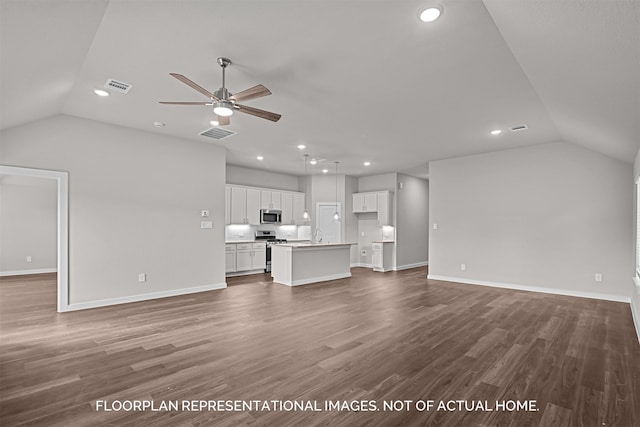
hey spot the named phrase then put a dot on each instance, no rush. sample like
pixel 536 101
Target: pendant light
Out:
pixel 336 216
pixel 305 214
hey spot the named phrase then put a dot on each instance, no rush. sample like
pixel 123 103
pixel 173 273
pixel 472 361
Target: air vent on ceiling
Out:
pixel 117 86
pixel 217 133
pixel 519 128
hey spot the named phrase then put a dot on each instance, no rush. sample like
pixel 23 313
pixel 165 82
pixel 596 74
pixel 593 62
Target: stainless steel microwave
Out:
pixel 270 216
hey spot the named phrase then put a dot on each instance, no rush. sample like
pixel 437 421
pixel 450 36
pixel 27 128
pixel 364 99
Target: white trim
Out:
pixel 316 279
pixel 361 264
pixel 62 179
pixel 635 315
pixel 24 272
pixel 567 292
pixel 244 273
pixel 408 266
pixel 144 297
pixel 636 282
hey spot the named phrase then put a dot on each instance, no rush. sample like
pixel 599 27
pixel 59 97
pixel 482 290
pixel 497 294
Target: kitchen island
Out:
pixel 294 264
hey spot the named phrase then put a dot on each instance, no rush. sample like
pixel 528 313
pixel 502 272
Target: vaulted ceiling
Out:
pixel 354 80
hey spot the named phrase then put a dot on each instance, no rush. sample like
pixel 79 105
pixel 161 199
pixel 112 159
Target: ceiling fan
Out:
pixel 224 102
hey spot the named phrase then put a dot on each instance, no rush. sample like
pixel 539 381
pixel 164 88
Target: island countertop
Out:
pixel 294 264
pixel 308 244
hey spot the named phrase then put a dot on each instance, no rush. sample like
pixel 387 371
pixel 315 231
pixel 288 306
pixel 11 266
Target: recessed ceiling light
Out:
pixel 325 170
pixel 214 122
pixel 367 163
pixel 430 14
pixel 496 132
pixel 260 158
pixel 158 124
pixel 101 92
pixel 302 147
pixel 313 161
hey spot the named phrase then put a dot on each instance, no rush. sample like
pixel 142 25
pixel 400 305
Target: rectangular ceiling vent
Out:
pixel 217 133
pixel 117 86
pixel 519 128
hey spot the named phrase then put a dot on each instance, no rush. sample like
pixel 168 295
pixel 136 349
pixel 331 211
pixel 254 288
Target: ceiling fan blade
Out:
pixel 252 93
pixel 223 121
pixel 185 103
pixel 259 113
pixel 194 85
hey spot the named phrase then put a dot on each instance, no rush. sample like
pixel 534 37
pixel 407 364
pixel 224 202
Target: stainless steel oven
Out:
pixel 270 237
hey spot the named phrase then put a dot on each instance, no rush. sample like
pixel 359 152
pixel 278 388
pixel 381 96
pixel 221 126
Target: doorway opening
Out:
pixel 62 180
pixel 330 230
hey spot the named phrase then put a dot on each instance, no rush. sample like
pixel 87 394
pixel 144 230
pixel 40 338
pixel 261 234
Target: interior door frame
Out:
pixel 337 206
pixel 62 179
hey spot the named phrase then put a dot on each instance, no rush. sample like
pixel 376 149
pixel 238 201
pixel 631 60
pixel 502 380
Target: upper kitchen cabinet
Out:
pixel 245 206
pixel 365 202
pixel 227 205
pixel 375 201
pixel 270 199
pixel 292 208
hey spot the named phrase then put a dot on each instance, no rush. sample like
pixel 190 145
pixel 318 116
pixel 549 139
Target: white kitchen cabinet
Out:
pixel 227 206
pixel 298 208
pixel 245 206
pixel 238 209
pixel 270 199
pixel 230 258
pixel 259 260
pixel 382 256
pixel 365 202
pixel 253 206
pixel 384 208
pixel 251 256
pixel 287 208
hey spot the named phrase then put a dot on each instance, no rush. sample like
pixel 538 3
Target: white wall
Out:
pixel 28 225
pixel 548 216
pixel 412 221
pixel 635 291
pixel 134 206
pixel 260 178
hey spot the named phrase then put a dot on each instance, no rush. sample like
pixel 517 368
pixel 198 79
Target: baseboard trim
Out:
pixel 25 272
pixel 244 273
pixel 567 292
pixel 361 264
pixel 316 279
pixel 409 266
pixel 143 297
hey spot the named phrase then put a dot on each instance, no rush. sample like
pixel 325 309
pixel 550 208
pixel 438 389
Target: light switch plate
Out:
pixel 206 224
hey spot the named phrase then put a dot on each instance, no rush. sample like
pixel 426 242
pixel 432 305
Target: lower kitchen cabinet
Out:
pixel 250 256
pixel 382 256
pixel 230 258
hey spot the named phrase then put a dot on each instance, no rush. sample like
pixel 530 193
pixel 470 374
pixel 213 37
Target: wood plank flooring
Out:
pixel 375 337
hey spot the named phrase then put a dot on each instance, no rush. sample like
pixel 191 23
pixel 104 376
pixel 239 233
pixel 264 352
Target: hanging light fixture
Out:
pixel 336 216
pixel 305 214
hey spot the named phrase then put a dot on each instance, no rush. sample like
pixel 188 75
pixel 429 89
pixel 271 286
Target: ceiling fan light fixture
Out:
pixel 430 14
pixel 223 108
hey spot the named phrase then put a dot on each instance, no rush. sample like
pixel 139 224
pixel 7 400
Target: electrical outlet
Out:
pixel 463 267
pixel 598 277
pixel 435 226
pixel 142 277
pixel 28 259
pixel 206 224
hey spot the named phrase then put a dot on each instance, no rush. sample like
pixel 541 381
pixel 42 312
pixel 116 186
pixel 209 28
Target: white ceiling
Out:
pixel 353 80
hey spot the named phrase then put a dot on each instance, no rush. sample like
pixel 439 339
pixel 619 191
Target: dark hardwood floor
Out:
pixel 374 337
